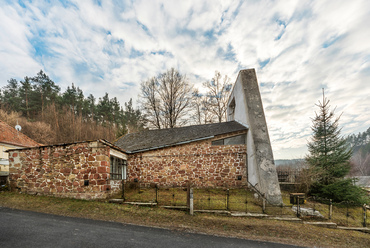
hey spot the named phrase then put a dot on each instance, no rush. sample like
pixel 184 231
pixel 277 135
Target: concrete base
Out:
pixel 244 214
pixel 223 212
pixel 150 204
pixel 361 229
pixel 116 201
pixel 120 201
pixel 293 219
pixel 323 224
pixel 184 208
pixel 265 216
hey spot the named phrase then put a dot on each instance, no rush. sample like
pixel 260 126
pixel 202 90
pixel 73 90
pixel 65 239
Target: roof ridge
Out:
pixel 197 125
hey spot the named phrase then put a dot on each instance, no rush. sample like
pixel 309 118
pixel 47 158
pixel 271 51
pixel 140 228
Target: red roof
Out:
pixel 11 136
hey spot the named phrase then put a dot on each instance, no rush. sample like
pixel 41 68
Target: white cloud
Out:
pixel 112 47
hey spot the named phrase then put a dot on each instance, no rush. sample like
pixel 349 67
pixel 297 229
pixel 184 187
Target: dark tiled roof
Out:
pixel 152 139
pixel 11 136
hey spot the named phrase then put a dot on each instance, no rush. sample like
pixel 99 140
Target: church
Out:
pixel 236 153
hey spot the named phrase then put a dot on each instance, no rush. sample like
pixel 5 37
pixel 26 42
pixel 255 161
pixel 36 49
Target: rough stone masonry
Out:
pixel 79 170
pixel 201 163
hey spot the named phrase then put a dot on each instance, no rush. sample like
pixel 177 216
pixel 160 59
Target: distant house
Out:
pixel 230 154
pixel 363 182
pixel 11 139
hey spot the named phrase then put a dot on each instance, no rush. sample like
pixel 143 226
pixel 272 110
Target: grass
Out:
pixel 250 228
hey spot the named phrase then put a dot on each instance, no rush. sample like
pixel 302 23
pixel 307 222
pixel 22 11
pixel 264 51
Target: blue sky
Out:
pixel 297 48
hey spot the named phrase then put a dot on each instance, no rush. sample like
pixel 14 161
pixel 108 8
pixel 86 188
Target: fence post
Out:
pixel 263 204
pixel 173 195
pixel 246 200
pixel 364 208
pixel 188 195
pixel 330 209
pixel 123 190
pixel 227 199
pixel 298 210
pixel 156 194
pixel 209 198
pixel 347 215
pixel 191 201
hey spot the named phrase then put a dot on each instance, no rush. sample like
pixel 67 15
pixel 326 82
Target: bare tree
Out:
pixel 218 91
pixel 201 114
pixel 166 99
pixel 360 164
pixel 150 103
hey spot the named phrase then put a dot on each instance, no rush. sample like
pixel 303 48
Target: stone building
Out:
pixel 79 170
pixel 209 155
pixel 230 154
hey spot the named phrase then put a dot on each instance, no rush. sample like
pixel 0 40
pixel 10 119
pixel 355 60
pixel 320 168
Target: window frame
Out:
pixel 221 142
pixel 118 168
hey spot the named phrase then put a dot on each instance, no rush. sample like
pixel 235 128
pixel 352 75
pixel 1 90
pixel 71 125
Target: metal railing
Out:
pixel 248 200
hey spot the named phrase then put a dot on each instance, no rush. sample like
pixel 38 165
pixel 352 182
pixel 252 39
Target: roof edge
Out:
pixel 180 143
pixel 169 145
pixel 71 143
pixel 243 124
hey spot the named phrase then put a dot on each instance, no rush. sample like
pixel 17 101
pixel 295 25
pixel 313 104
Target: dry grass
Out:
pixel 250 228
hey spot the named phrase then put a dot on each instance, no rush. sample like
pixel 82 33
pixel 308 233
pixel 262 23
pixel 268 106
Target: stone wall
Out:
pixel 199 162
pixel 62 170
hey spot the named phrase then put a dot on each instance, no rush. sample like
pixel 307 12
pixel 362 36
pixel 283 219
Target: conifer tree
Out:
pixel 329 157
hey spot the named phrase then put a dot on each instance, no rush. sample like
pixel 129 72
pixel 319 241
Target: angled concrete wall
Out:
pixel 245 106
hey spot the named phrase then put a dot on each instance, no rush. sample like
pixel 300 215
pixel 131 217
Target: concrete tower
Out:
pixel 245 106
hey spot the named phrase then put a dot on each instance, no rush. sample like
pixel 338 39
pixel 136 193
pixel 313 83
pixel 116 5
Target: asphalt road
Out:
pixel 30 229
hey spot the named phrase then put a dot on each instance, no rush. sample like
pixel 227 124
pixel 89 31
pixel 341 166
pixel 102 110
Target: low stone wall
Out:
pixel 79 170
pixel 199 162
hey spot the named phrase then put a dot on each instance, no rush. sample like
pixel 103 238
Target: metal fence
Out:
pixel 247 200
pixel 344 213
pixel 242 199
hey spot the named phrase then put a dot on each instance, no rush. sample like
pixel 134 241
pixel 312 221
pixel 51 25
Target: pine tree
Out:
pixel 329 157
pixel 134 120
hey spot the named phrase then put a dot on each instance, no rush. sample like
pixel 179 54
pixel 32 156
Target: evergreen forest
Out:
pixel 50 116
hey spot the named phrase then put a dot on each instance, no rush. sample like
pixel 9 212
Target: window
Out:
pixel 218 142
pixel 232 110
pixel 235 140
pixel 117 168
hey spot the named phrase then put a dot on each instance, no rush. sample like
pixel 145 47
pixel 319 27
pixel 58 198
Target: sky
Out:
pixel 297 48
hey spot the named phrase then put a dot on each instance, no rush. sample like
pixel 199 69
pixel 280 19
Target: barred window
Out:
pixel 117 168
